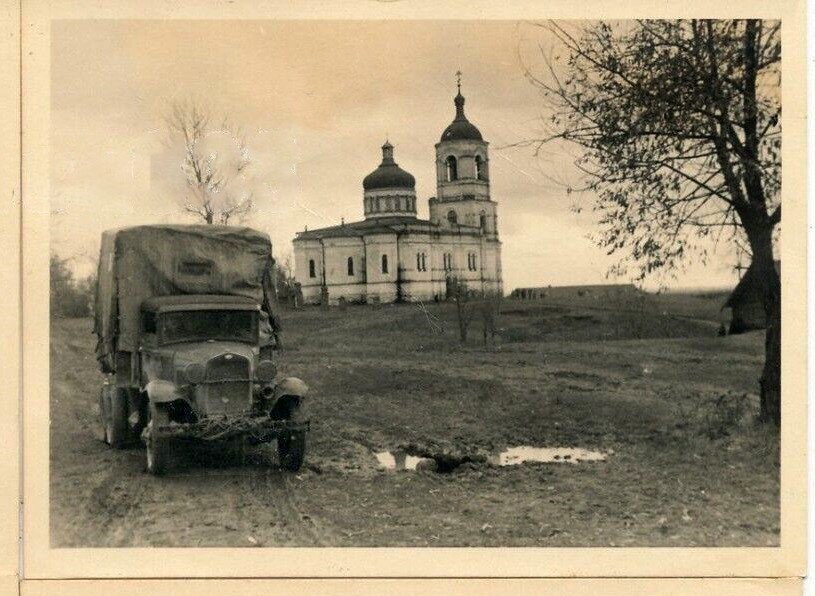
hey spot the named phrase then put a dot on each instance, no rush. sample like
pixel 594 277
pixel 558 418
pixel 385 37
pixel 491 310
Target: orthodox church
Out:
pixel 392 255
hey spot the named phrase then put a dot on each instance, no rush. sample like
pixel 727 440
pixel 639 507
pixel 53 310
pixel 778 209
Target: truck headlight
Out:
pixel 194 372
pixel 266 371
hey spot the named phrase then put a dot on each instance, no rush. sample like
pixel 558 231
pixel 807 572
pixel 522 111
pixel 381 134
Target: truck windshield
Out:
pixel 198 325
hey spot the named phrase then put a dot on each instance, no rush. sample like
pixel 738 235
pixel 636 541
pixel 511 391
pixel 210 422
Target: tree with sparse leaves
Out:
pixel 215 163
pixel 460 293
pixel 678 131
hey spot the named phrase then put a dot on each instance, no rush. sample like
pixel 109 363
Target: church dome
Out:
pixel 388 174
pixel 461 129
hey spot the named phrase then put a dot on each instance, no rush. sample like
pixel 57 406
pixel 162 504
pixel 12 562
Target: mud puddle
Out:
pixel 400 459
pixel 550 455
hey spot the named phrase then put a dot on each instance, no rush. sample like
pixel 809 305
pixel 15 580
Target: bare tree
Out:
pixel 677 126
pixel 215 163
pixel 490 309
pixel 461 295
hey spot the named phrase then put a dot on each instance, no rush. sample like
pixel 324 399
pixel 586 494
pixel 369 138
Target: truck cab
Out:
pixel 206 350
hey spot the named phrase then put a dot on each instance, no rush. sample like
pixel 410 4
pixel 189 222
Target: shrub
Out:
pixel 70 297
pixel 715 418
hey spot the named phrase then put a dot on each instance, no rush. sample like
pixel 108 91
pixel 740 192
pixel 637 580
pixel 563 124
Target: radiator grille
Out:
pixel 228 386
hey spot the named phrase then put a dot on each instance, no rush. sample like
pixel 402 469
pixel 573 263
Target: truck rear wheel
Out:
pixel 158 447
pixel 114 411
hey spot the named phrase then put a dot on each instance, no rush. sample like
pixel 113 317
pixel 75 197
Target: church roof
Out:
pixel 461 128
pixel 388 174
pixel 381 225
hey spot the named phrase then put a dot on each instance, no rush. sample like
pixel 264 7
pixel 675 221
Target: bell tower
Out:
pixel 462 176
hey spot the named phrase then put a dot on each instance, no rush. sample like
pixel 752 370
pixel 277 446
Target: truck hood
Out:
pixel 202 352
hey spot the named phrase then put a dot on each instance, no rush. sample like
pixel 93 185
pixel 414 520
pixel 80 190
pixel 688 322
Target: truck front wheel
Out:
pixel 291 447
pixel 158 446
pixel 291 450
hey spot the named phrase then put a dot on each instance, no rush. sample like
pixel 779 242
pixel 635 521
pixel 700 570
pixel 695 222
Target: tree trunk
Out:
pixel 771 376
pixel 770 281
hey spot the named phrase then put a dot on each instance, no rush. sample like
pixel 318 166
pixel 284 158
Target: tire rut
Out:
pixel 272 489
pixel 112 503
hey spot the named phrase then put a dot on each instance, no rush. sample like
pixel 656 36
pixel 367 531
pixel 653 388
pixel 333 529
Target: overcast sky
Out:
pixel 317 99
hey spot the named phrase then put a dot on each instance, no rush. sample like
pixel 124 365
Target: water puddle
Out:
pixel 402 460
pixel 550 455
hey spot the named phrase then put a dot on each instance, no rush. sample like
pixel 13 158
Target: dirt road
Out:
pixel 386 378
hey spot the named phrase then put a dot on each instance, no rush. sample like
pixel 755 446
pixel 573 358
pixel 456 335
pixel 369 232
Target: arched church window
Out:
pixel 452 217
pixel 424 263
pixel 378 204
pixel 350 265
pixel 480 170
pixel 384 263
pixel 312 268
pixel 483 220
pixel 452 168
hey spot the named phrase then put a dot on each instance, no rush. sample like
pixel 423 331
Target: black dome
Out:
pixel 461 129
pixel 388 174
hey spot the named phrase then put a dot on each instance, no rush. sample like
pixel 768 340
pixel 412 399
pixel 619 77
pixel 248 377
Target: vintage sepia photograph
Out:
pixel 415 283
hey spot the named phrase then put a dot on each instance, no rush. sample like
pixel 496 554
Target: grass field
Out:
pixel 650 384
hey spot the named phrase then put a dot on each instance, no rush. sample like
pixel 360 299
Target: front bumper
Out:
pixel 259 429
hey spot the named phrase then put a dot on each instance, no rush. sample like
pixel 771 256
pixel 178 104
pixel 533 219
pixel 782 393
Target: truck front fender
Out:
pixel 163 392
pixel 288 398
pixel 290 386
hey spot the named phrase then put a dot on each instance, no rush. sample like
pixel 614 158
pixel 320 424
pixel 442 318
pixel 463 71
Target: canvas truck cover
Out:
pixel 162 260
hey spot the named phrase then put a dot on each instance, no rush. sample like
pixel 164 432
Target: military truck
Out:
pixel 187 325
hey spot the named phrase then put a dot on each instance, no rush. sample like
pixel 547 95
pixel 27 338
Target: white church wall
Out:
pixel 417 284
pixel 468 213
pixel 340 283
pixel 459 247
pixel 380 285
pixel 492 267
pixel 305 251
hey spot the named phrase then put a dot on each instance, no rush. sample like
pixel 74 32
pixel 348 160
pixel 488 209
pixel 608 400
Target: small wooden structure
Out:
pixel 746 304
